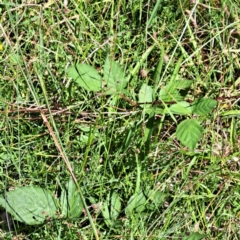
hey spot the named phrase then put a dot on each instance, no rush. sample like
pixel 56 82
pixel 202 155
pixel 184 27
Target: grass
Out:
pixel 103 138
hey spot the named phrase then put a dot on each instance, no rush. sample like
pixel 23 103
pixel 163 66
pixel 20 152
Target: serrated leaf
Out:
pixel 29 204
pixel 203 106
pixel 145 95
pixel 183 84
pixel 86 76
pixel 136 203
pixel 114 77
pixel 71 204
pixel 169 94
pixel 181 108
pixel 189 133
pixel 175 91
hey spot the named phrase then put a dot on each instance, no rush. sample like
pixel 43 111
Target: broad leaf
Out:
pixel 175 91
pixel 181 108
pixel 136 203
pixel 114 77
pixel 31 205
pixel 86 76
pixel 16 59
pixel 168 94
pixel 115 207
pixel 71 204
pixel 204 106
pixel 106 213
pixel 182 84
pixel 85 133
pixel 157 199
pixel 195 236
pixel 189 132
pixel 145 95
pixel 64 203
pixel 111 208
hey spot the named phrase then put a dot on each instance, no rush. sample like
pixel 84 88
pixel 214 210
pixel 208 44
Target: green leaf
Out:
pixel 158 69
pixel 114 77
pixel 115 206
pixel 71 204
pixel 174 75
pixel 111 208
pixel 167 94
pixel 195 236
pixel 189 132
pixel 141 61
pixel 158 6
pixel 231 113
pixel 106 214
pixel 183 84
pixel 86 76
pixel 16 59
pixel 157 199
pixel 183 108
pixel 136 203
pixel 64 203
pixel 145 95
pixel 85 133
pixel 175 91
pixel 203 106
pixel 29 204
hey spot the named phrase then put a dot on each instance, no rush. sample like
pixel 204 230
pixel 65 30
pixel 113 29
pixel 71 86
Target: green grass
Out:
pixel 103 138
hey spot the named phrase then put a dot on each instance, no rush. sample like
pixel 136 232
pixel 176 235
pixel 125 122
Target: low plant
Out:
pixel 34 205
pixel 171 97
